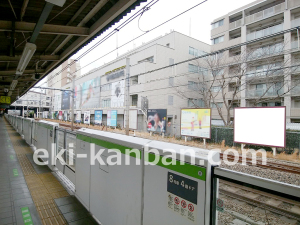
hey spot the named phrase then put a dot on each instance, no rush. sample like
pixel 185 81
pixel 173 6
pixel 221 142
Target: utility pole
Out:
pixel 127 83
pixel 39 116
pixel 72 102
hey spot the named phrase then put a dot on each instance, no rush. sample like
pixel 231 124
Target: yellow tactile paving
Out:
pixel 44 188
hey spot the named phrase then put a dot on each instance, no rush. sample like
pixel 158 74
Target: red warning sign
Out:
pixel 176 200
pixel 191 207
pixel 183 204
pixel 220 203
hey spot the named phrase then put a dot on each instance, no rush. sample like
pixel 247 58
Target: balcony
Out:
pixel 295 45
pixel 264 73
pixel 265 32
pixel 266 93
pixel 265 13
pixel 266 51
pixel 295 91
pixel 295 112
pixel 293 3
pixel 235 24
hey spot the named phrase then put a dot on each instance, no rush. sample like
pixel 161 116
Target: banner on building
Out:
pixel 117 94
pixel 157 120
pixel 65 102
pixel 196 122
pixel 78 117
pixel 98 117
pixel 60 115
pixel 87 94
pixel 87 117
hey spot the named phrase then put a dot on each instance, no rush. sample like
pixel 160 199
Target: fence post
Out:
pixel 274 151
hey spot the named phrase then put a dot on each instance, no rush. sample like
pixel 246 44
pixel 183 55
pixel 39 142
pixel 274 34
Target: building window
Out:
pixel 193 68
pixel 215 105
pixel 171 81
pixel 196 52
pixel 193 85
pixel 170 100
pixel 106 87
pixel 134 80
pixel 106 103
pixel 195 103
pixel 217 24
pixel 203 71
pixel 217 40
pixel 217 72
pixel 269 104
pixel 215 88
pixel 233 86
pixel 134 100
pixel 149 59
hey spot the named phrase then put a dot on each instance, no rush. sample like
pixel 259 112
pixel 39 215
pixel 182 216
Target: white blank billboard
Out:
pixel 133 115
pixel 260 126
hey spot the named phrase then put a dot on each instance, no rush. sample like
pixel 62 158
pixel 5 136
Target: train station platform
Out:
pixel 31 194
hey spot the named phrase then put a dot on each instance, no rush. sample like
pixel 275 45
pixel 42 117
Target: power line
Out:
pixel 135 16
pixel 122 25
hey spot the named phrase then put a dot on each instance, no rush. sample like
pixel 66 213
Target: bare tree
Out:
pixel 219 80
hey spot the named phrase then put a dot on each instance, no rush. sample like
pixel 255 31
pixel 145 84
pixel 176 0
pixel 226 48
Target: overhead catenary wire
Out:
pixel 209 70
pixel 117 29
pixel 141 11
pixel 184 85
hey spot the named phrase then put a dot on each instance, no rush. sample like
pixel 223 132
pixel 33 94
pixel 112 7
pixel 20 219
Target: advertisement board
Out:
pixel 260 126
pixel 196 122
pixel 98 117
pixel 87 94
pixel 112 118
pixel 87 117
pixel 157 120
pixel 65 101
pixel 117 94
pixel 78 117
pixel 45 114
pixel 60 115
pixel 133 123
pixel 65 115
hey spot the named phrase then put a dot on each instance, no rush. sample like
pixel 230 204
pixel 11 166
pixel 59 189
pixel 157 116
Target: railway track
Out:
pixel 256 201
pixel 269 165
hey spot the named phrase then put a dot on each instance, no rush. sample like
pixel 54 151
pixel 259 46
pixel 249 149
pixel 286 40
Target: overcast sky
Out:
pixel 200 17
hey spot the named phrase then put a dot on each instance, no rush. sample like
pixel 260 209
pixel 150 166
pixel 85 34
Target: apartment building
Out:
pixel 158 89
pixel 269 30
pixel 60 77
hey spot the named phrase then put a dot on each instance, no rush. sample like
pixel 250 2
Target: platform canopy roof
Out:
pixel 37 36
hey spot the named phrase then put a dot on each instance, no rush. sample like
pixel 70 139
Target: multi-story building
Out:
pixel 97 89
pixel 60 77
pixel 269 32
pixel 39 102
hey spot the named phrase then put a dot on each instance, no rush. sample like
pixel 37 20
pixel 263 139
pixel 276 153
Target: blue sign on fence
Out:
pixel 98 117
pixel 113 119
